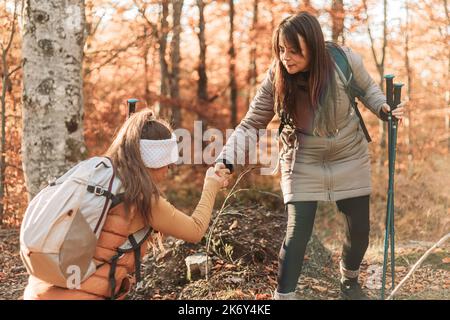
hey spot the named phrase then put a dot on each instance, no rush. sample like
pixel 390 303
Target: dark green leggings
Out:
pixel 299 228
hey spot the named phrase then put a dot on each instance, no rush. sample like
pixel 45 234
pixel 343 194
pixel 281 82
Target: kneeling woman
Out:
pixel 141 156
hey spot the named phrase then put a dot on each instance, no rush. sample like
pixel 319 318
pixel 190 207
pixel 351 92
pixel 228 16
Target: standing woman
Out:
pixel 324 153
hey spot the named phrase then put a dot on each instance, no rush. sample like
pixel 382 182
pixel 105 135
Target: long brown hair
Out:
pixel 321 82
pixel 126 157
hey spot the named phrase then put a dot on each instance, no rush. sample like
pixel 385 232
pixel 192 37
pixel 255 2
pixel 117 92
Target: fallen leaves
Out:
pixel 320 289
pixel 263 296
pixel 230 266
pixel 446 260
pixel 271 281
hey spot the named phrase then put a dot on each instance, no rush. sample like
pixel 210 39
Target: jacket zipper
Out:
pixel 330 185
pixel 327 169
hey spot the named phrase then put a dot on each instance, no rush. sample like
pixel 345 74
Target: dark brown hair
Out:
pixel 321 82
pixel 126 157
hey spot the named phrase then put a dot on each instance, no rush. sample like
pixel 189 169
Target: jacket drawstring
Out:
pixel 294 155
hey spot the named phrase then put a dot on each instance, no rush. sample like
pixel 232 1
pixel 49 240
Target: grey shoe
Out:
pixel 285 296
pixel 351 290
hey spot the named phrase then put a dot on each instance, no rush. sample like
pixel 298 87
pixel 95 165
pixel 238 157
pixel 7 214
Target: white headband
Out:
pixel 159 153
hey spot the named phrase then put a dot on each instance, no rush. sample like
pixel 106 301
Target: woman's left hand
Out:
pixel 397 112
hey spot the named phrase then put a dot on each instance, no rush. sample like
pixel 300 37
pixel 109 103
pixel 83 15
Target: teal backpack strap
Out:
pixel 352 89
pixel 340 58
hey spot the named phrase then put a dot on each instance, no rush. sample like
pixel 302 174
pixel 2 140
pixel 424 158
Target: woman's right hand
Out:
pixel 222 176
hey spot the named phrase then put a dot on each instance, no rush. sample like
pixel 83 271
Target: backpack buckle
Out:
pixel 98 191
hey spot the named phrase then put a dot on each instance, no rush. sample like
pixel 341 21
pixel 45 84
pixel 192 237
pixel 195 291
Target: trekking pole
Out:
pixel 390 101
pixel 397 99
pixel 131 106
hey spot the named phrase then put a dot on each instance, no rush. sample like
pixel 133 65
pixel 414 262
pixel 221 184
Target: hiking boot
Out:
pixel 351 290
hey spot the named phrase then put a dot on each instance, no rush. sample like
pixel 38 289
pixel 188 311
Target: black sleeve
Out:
pixel 229 166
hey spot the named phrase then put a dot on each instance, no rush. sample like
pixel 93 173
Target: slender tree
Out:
pixel 145 53
pixel 175 63
pixel 447 80
pixel 6 89
pixel 409 71
pixel 163 106
pixel 252 72
pixel 337 18
pixel 202 84
pixel 232 67
pixel 379 62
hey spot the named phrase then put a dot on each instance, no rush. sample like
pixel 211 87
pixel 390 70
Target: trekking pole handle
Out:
pixel 131 106
pixel 397 94
pixel 389 89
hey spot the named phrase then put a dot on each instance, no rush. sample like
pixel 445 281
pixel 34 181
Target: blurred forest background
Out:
pixel 203 60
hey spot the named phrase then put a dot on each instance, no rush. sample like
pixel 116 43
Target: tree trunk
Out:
pixel 337 16
pixel 272 16
pixel 202 89
pixel 146 66
pixel 163 106
pixel 6 88
pixel 175 62
pixel 53 41
pixel 252 73
pixel 380 69
pixel 202 86
pixel 5 80
pixel 447 81
pixel 5 84
pixel 307 6
pixel 383 124
pixel 232 68
pixel 408 119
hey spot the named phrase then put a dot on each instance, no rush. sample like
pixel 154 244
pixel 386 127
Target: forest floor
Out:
pixel 246 237
pixel 243 250
pixel 244 263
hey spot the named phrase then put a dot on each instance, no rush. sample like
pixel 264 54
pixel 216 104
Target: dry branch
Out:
pixel 417 264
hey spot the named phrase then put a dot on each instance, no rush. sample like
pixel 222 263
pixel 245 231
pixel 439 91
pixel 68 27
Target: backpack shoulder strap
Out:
pixel 341 60
pixel 352 89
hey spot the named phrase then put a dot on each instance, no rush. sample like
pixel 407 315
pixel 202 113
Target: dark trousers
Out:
pixel 299 228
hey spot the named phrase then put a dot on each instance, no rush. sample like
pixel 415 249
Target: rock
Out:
pixel 234 280
pixel 196 266
pixel 234 225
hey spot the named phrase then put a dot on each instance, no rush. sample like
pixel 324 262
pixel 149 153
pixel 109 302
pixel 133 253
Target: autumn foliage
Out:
pixel 124 59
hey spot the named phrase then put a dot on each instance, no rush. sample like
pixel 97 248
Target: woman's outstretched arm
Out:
pixel 170 221
pixel 258 116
